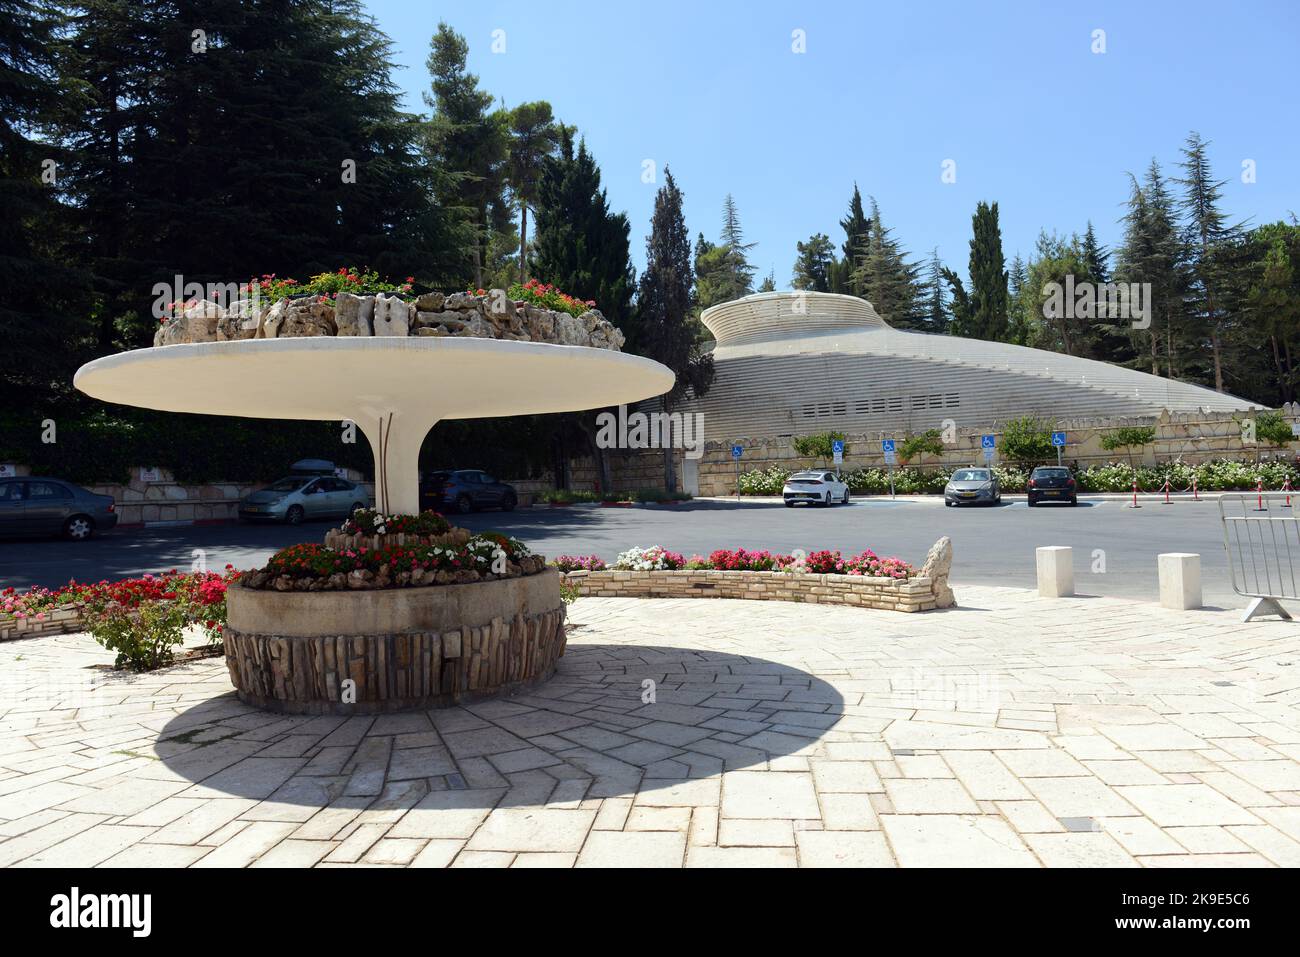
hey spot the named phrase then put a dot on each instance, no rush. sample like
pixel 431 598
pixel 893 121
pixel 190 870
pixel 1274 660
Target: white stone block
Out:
pixel 1180 579
pixel 1055 571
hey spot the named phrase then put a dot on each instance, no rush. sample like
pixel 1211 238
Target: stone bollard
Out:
pixel 1180 579
pixel 1055 571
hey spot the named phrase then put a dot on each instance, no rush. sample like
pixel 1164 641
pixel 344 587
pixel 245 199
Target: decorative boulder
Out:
pixel 272 319
pixel 308 317
pixel 353 314
pixel 392 316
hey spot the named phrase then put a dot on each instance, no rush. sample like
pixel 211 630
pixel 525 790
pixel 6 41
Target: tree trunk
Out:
pixel 523 244
pixel 670 465
pixel 1218 362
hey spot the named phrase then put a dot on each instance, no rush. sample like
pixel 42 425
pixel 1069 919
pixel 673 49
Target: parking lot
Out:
pixel 1115 546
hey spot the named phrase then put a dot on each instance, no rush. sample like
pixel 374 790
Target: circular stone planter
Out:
pixel 368 652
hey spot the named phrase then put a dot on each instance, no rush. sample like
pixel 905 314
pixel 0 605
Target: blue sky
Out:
pixel 883 95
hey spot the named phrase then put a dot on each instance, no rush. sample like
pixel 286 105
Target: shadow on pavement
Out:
pixel 590 731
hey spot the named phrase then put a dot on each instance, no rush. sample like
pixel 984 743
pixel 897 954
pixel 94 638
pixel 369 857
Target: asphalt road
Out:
pixel 992 545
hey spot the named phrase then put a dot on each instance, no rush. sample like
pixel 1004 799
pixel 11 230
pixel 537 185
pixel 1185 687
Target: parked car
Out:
pixel 815 488
pixel 46 506
pixel 1052 483
pixel 974 486
pixel 296 498
pixel 465 490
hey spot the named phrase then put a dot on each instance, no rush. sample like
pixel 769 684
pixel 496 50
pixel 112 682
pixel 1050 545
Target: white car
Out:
pixel 815 488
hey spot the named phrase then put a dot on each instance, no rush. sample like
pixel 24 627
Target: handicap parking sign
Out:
pixel 837 446
pixel 988 442
pixel 1058 439
pixel 887 445
pixel 736 450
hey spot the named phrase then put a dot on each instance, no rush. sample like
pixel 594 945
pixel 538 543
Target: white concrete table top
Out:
pixel 394 388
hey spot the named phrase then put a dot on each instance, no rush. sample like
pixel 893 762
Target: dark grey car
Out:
pixel 464 490
pixel 46 506
pixel 974 486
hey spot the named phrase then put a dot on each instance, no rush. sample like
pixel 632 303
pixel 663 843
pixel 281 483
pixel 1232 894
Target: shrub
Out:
pixel 576 563
pixel 763 481
pixel 929 442
pixel 548 297
pixel 328 285
pixel 1027 441
pixel 566 496
pixel 654 558
pixel 144 637
pixel 371 521
pixel 819 445
pixel 1272 428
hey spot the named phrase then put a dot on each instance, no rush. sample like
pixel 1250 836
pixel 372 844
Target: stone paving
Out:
pixel 1012 731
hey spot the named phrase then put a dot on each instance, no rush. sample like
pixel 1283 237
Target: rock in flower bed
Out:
pixel 376 551
pixel 350 304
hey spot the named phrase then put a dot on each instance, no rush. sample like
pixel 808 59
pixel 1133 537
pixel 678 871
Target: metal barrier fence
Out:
pixel 1261 532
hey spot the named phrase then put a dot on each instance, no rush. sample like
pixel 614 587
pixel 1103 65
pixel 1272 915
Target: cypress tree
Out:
pixel 982 313
pixel 663 329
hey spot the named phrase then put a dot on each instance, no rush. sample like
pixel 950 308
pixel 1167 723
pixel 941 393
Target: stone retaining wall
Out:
pixel 394 672
pixel 1191 437
pixel 917 594
pixel 59 621
pixel 405 648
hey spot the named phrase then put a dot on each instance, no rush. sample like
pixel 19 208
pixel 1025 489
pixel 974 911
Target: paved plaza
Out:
pixel 1012 731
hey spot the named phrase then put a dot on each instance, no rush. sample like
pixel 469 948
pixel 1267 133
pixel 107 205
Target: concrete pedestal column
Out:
pixel 395 439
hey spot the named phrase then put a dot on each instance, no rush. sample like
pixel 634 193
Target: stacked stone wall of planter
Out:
pixel 924 592
pixel 413 647
pixel 491 316
pixel 57 621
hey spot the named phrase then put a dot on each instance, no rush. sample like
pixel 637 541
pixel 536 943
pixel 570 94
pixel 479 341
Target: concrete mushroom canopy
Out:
pixel 394 388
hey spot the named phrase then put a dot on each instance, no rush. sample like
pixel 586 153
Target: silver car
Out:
pixel 976 486
pixel 299 497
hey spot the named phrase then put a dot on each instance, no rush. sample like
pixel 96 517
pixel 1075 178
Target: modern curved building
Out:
pixel 791 363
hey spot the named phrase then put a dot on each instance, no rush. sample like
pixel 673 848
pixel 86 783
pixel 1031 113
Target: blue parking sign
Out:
pixel 1058 439
pixel 887 445
pixel 837 446
pixel 736 451
pixel 988 442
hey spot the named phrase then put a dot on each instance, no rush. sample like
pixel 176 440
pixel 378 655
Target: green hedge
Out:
pixel 1217 476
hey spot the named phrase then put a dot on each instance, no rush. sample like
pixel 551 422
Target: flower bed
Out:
pixel 863 580
pixel 143 619
pixel 867 564
pixel 486 556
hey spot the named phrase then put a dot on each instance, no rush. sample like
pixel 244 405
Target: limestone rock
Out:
pixel 430 302
pixel 353 314
pixel 392 316
pixel 937 567
pixel 272 319
pixel 308 317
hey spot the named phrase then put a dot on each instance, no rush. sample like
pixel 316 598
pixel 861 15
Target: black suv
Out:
pixel 1052 483
pixel 464 490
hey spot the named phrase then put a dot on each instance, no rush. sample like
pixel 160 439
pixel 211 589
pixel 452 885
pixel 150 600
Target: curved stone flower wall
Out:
pixel 491 316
